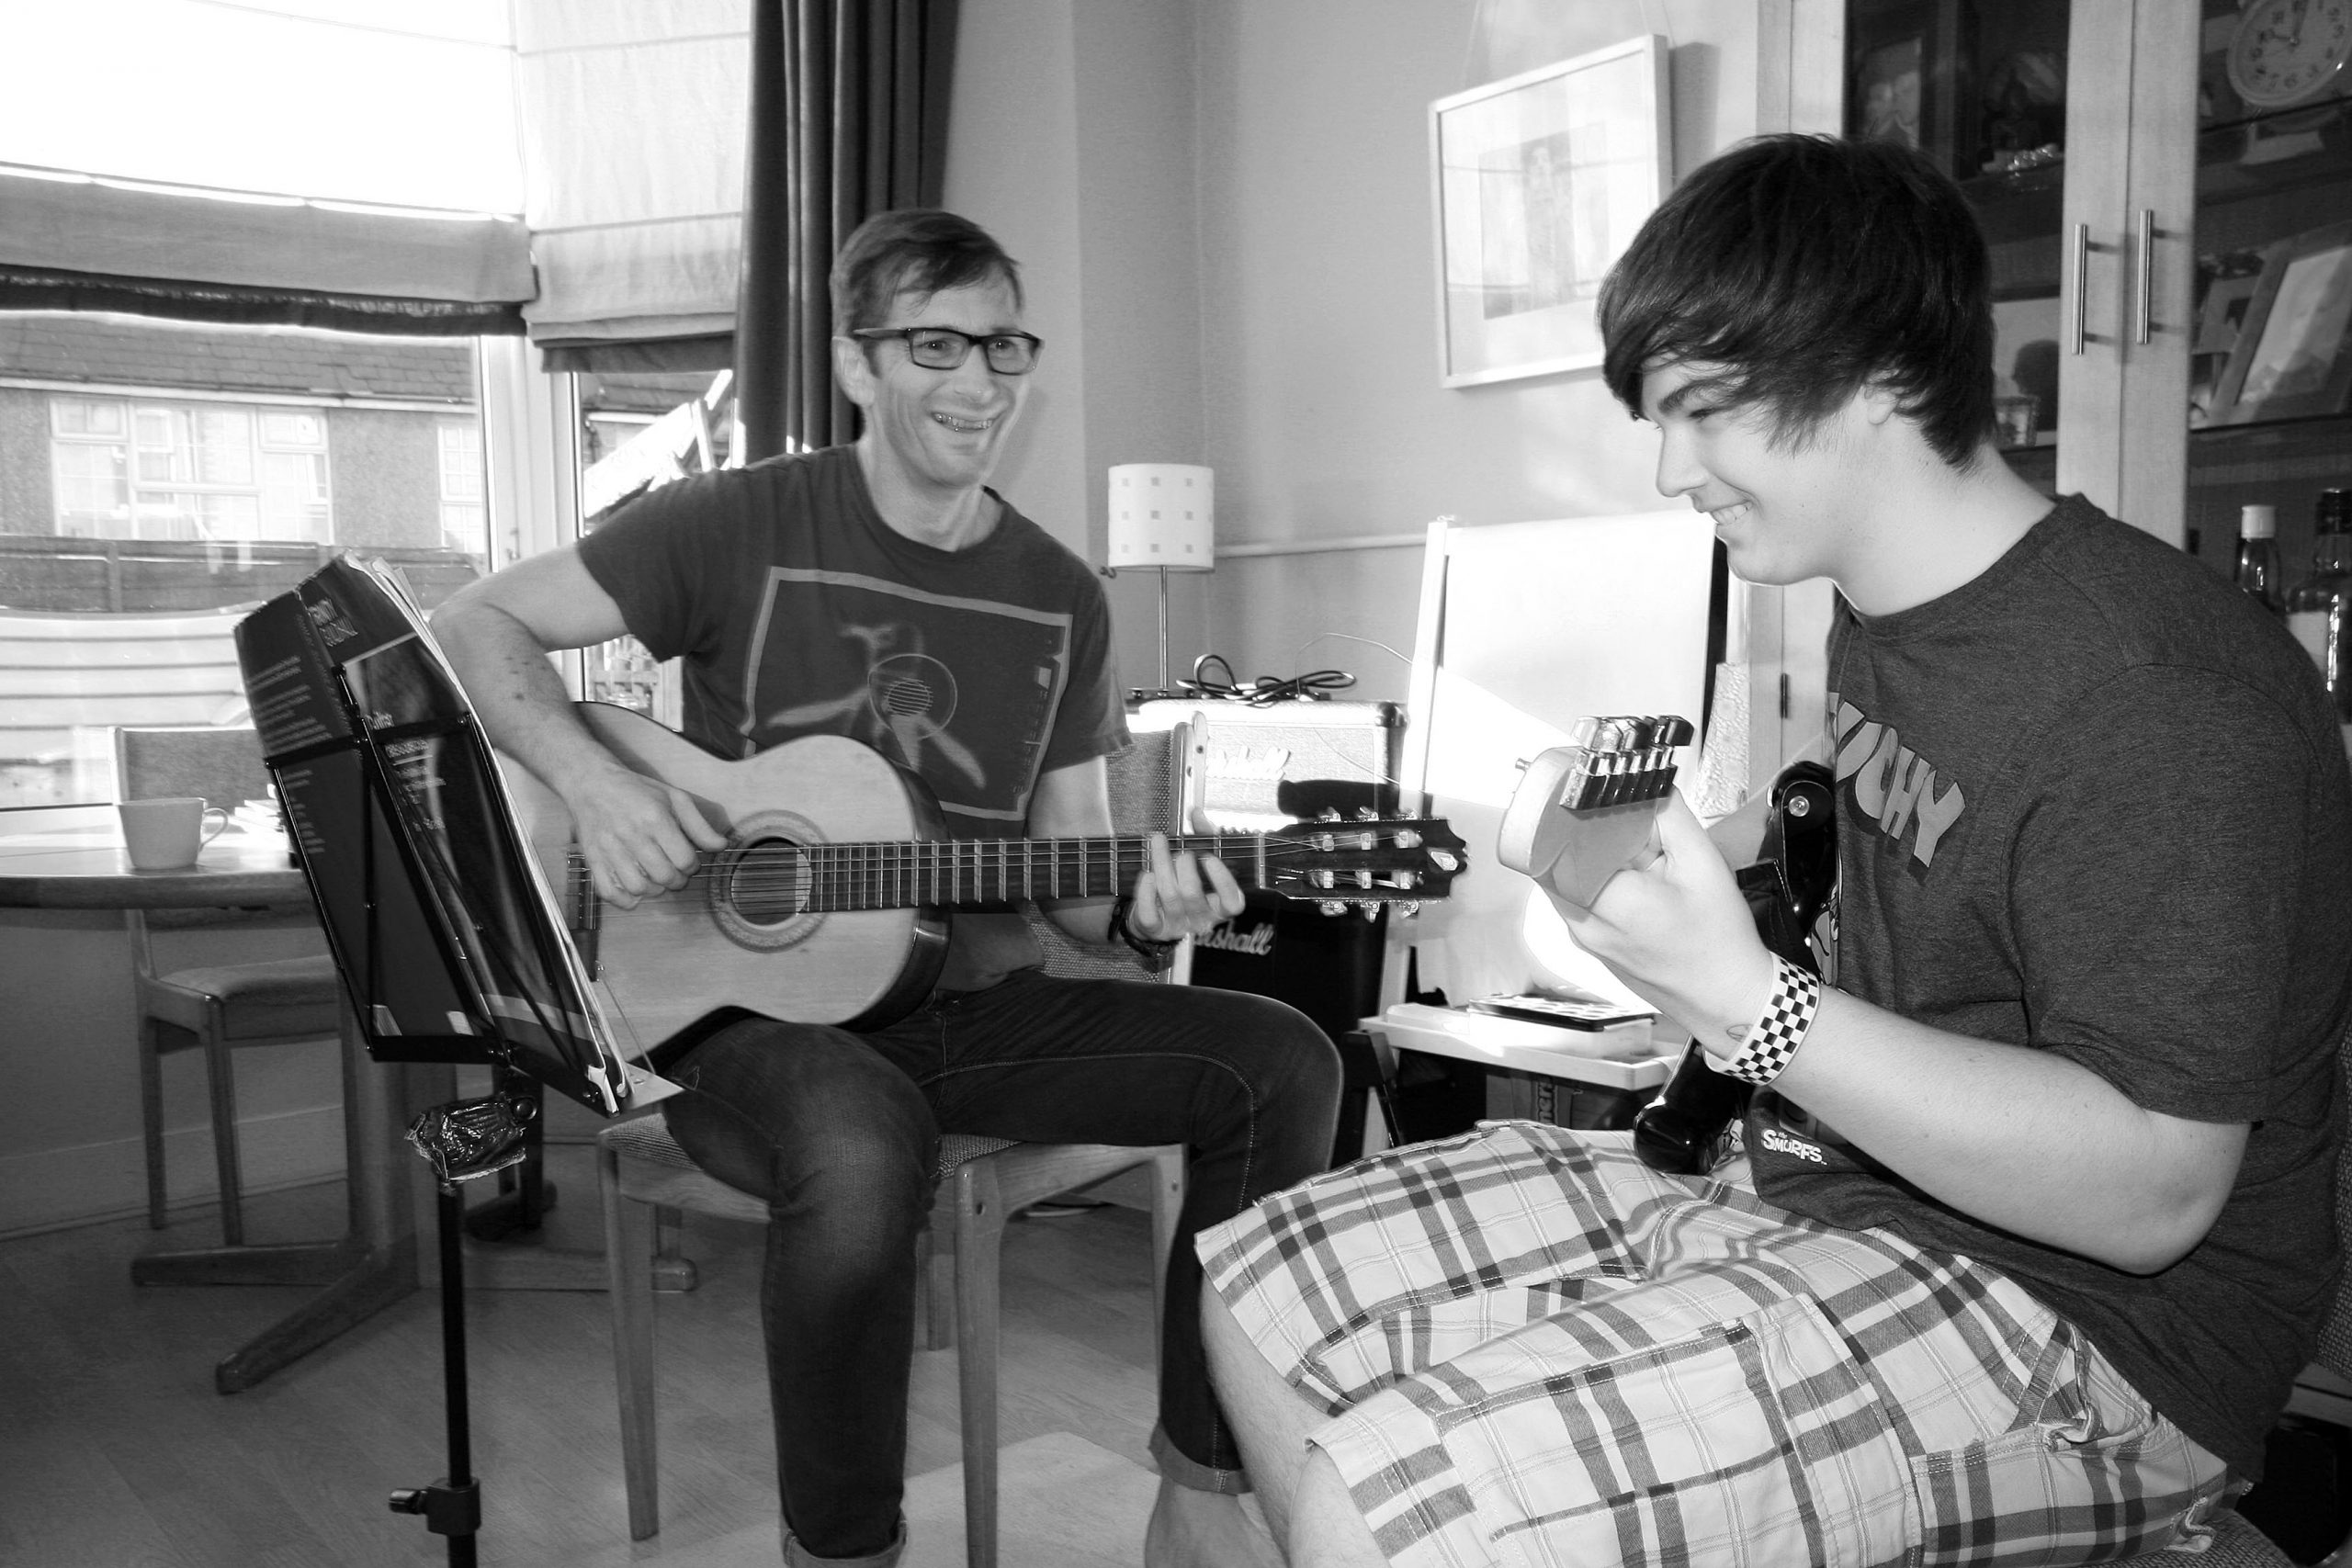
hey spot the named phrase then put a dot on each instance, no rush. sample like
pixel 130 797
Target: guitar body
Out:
pixel 679 956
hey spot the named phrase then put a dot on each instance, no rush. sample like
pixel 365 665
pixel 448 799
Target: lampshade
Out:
pixel 1163 515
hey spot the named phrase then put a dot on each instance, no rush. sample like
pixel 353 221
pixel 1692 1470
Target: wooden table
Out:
pixel 374 1263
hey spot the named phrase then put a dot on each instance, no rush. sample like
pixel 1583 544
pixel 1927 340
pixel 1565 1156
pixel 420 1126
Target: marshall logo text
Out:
pixel 1257 941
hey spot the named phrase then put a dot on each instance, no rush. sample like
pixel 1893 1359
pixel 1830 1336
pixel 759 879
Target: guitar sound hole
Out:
pixel 764 880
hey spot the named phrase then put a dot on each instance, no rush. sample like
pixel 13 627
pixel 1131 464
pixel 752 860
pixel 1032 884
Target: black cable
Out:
pixel 1314 687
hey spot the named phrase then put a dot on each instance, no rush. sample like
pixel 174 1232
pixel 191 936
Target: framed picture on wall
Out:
pixel 2293 355
pixel 1538 183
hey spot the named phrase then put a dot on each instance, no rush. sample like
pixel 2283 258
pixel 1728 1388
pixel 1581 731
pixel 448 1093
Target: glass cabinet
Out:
pixel 2166 189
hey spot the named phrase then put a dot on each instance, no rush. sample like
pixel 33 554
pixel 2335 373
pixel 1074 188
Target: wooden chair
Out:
pixel 983 1182
pixel 215 1009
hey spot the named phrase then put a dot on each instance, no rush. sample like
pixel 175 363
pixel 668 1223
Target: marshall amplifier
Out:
pixel 1247 769
pixel 1250 768
pixel 1328 966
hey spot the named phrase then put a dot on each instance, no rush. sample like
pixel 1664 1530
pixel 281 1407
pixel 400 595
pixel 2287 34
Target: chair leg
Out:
pixel 222 1077
pixel 673 1270
pixel 979 1235
pixel 151 1116
pixel 935 1277
pixel 629 1277
pixel 1167 1213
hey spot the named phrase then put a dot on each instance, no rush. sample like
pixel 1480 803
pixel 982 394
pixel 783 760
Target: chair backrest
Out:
pixel 1143 797
pixel 221 763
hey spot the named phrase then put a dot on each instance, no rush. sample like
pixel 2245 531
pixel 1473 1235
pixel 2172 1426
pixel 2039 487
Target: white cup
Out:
pixel 164 834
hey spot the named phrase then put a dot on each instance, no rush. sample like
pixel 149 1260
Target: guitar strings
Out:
pixel 779 867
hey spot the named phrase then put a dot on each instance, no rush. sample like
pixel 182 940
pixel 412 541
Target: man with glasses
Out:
pixel 881 591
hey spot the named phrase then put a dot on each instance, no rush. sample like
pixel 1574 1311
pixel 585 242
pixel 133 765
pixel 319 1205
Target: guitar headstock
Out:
pixel 1367 863
pixel 1585 810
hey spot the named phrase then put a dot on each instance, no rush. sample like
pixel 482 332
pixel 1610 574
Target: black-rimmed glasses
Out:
pixel 945 348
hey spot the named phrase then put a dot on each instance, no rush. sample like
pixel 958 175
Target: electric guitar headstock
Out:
pixel 1585 811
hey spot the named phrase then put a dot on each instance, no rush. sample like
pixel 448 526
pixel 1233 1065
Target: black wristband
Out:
pixel 1153 951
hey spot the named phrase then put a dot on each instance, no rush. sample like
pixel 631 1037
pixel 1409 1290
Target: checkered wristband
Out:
pixel 1780 1028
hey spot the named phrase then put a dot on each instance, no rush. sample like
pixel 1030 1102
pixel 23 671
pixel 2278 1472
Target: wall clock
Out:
pixel 2285 51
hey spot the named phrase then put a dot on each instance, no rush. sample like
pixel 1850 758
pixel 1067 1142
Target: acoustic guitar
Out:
pixel 828 903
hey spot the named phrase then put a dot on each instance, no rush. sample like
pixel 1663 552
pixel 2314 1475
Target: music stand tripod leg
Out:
pixel 462 1141
pixel 452 1504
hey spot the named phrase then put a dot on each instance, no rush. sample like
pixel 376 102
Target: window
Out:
pixel 126 469
pixel 638 432
pixel 465 520
pixel 158 479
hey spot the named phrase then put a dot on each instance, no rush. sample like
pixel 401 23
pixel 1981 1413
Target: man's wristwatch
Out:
pixel 1152 949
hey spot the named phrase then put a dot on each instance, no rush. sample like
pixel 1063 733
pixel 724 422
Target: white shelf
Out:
pixel 1633 1056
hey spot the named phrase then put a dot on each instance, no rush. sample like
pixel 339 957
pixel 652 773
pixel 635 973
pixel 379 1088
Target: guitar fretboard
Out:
pixel 982 871
pixel 771 880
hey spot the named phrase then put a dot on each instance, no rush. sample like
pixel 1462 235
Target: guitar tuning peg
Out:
pixel 1367 814
pixel 1370 909
pixel 1332 906
pixel 1408 909
pixel 1329 813
pixel 1408 839
pixel 1363 879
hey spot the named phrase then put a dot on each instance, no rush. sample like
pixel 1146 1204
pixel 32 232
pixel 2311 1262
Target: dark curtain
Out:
pixel 848 118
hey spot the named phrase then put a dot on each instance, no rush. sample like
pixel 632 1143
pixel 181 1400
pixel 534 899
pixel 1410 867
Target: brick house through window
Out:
pixel 156 479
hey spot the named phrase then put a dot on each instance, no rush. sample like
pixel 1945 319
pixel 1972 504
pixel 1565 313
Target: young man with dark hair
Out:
pixel 881 591
pixel 2037 1223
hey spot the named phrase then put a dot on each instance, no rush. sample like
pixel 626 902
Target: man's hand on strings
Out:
pixel 1181 895
pixel 639 835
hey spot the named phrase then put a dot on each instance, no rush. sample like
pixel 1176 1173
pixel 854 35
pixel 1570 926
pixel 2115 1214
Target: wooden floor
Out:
pixel 115 1452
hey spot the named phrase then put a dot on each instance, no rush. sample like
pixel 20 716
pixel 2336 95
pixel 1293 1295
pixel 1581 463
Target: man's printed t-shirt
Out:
pixel 2095 801
pixel 797 611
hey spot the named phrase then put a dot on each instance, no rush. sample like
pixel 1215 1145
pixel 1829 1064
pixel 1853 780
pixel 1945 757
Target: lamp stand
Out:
pixel 1165 690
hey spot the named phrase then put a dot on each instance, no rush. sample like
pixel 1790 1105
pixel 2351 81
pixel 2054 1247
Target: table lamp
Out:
pixel 1163 516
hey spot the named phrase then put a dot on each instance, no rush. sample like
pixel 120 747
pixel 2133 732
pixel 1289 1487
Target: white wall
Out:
pixel 1072 141
pixel 67 1038
pixel 1267 161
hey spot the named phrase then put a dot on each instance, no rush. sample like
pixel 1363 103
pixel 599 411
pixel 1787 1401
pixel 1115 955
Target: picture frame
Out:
pixel 2294 354
pixel 1537 184
pixel 1907 80
pixel 2226 282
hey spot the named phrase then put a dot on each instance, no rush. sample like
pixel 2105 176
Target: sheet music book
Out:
pixel 438 915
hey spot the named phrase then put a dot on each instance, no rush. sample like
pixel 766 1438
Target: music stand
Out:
pixel 448 940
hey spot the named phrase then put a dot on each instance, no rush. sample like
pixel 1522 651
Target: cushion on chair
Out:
pixel 648 1138
pixel 961 1148
pixel 289 997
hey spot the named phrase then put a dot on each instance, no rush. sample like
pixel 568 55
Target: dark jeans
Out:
pixel 839 1132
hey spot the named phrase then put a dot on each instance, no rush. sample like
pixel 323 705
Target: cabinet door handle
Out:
pixel 2079 266
pixel 2147 275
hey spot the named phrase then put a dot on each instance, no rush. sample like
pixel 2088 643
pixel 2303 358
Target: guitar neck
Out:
pixel 948 872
